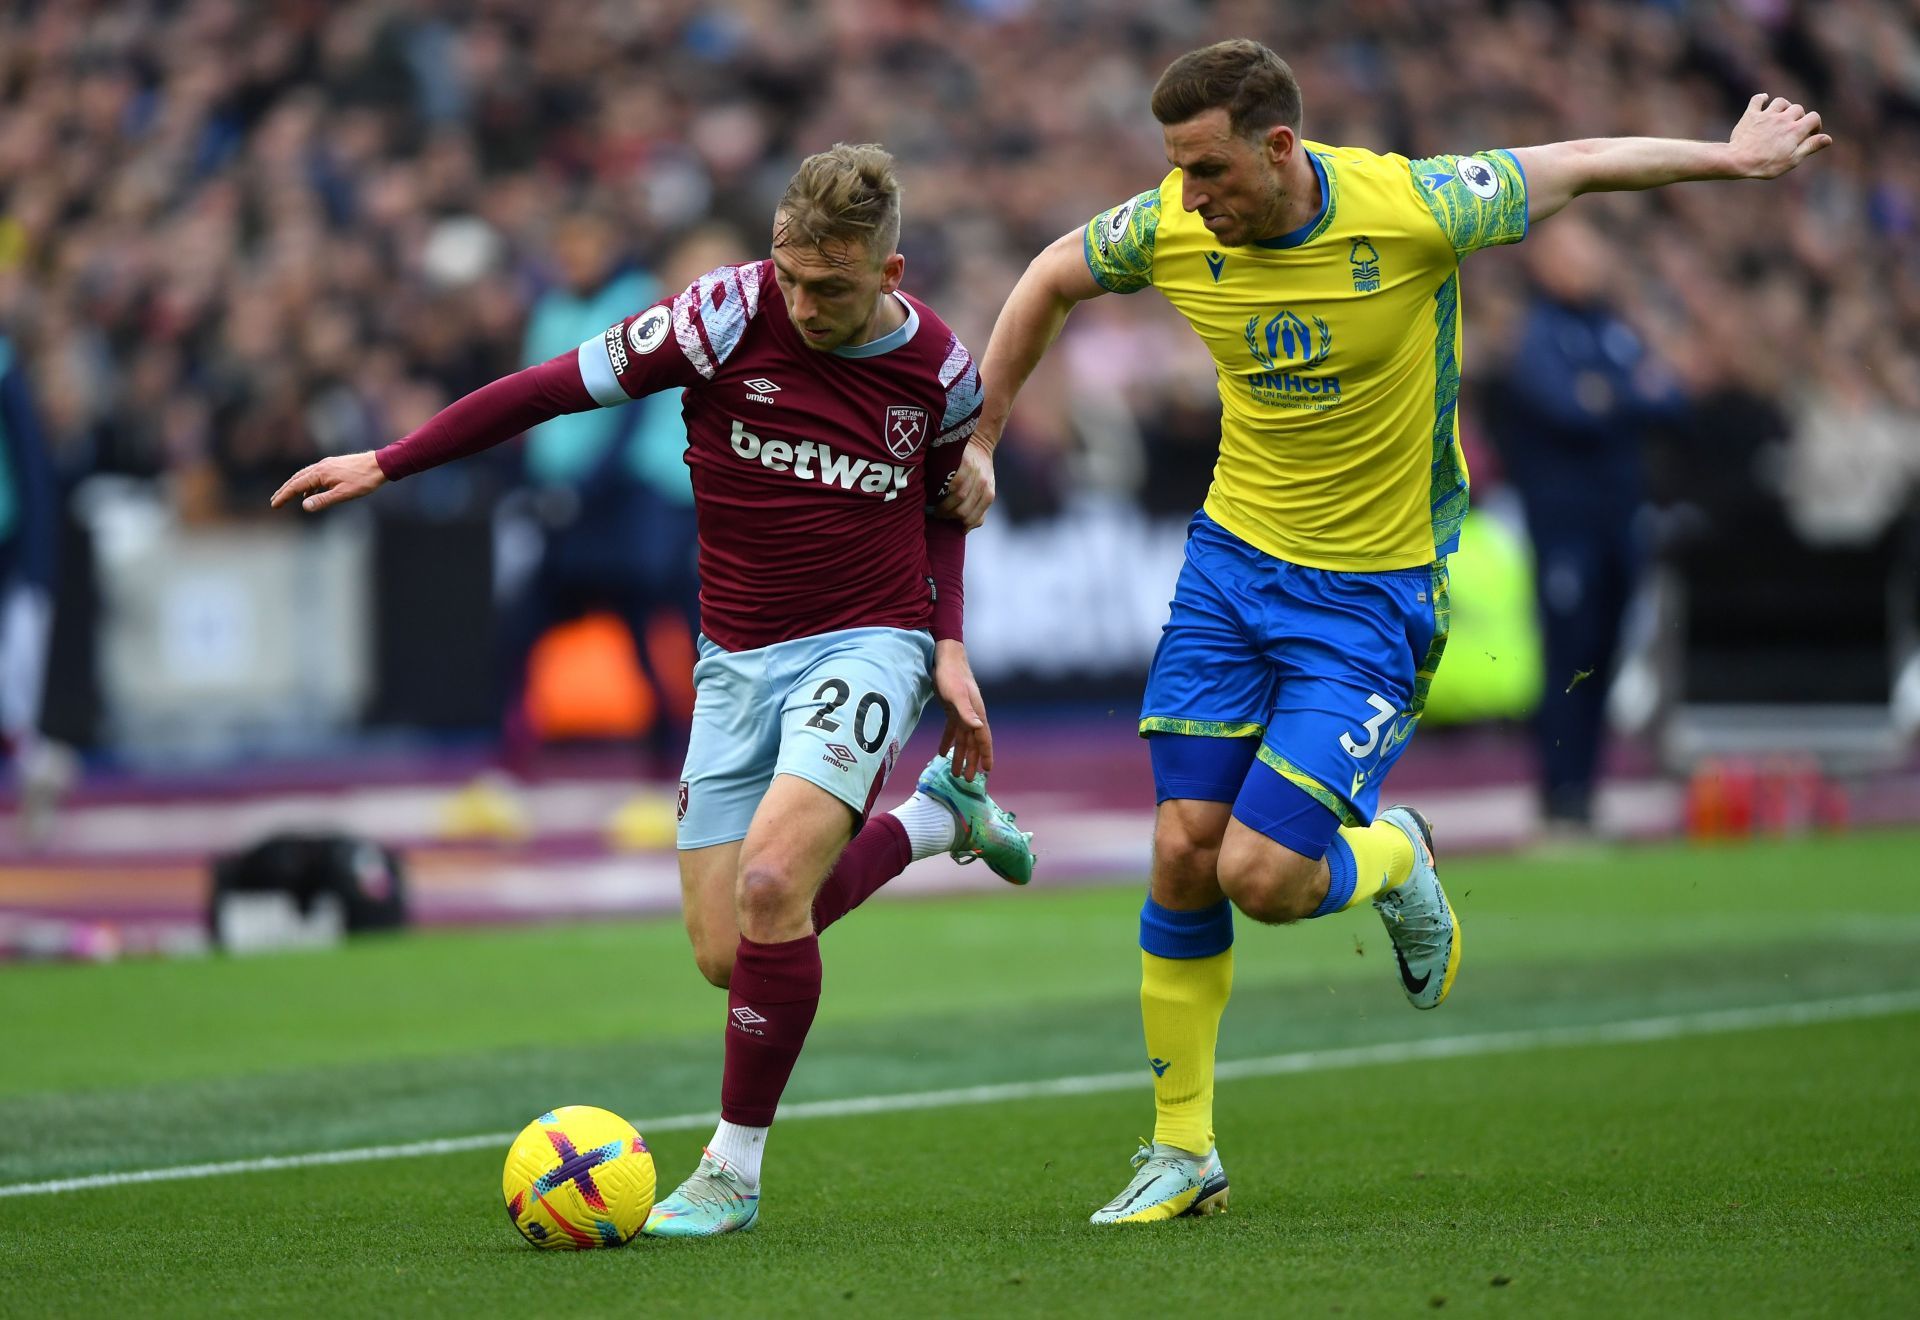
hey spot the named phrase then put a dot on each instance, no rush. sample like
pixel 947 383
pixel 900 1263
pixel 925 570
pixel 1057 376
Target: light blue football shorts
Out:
pixel 833 710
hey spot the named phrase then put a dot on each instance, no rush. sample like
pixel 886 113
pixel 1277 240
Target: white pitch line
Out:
pixel 1633 1031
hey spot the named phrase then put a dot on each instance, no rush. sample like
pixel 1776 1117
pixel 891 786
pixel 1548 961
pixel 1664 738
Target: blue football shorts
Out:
pixel 1328 671
pixel 833 710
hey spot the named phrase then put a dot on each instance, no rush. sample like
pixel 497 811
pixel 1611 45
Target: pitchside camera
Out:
pixel 293 891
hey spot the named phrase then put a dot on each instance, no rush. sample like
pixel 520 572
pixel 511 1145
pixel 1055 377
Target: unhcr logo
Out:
pixel 1286 349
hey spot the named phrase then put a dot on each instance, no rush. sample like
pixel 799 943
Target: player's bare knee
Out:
pixel 769 899
pixel 1270 885
pixel 1267 898
pixel 1185 878
pixel 1185 867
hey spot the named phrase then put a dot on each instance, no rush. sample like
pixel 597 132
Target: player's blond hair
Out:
pixel 1246 79
pixel 839 198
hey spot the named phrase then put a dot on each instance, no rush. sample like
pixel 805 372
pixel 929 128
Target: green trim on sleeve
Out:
pixel 1118 244
pixel 1478 201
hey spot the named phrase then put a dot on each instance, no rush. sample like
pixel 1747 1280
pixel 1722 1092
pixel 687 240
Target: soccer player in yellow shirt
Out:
pixel 1311 612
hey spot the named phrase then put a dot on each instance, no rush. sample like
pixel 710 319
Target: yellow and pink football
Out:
pixel 577 1178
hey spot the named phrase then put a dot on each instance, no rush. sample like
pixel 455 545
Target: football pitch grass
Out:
pixel 1748 1144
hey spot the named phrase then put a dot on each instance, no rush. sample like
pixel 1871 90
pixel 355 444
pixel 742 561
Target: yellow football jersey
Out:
pixel 1337 349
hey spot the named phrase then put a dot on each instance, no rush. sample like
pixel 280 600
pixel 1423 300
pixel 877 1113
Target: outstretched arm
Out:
pixel 1771 138
pixel 639 355
pixel 1027 326
pixel 494 412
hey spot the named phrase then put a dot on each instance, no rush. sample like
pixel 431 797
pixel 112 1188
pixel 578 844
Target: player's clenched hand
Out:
pixel 966 735
pixel 970 493
pixel 332 481
pixel 1775 135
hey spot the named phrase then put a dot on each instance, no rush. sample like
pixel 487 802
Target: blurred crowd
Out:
pixel 236 235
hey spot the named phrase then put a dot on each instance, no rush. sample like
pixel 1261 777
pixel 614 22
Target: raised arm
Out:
pixel 1027 326
pixel 1771 138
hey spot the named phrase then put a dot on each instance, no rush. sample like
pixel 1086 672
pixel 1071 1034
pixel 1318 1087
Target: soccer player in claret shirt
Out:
pixel 1311 612
pixel 825 410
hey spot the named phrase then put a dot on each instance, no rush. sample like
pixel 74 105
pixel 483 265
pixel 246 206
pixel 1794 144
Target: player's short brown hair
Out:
pixel 843 196
pixel 1246 79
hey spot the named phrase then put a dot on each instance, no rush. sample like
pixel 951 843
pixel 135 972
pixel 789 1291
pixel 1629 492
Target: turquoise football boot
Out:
pixel 713 1201
pixel 1419 920
pixel 1170 1184
pixel 983 830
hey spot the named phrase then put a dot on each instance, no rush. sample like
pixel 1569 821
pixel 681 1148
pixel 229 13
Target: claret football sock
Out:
pixel 770 1005
pixel 879 852
pixel 885 846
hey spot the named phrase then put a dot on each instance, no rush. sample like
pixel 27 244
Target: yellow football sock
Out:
pixel 1382 859
pixel 1181 1000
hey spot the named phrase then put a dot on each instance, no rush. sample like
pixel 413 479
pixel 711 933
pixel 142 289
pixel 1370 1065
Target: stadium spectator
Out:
pixel 1569 415
pixel 41 770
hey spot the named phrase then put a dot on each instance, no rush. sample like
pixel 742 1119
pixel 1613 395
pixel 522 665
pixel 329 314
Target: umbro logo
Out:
pixel 747 1020
pixel 761 390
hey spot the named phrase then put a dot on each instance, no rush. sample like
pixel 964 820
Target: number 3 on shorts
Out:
pixel 1383 711
pixel 835 693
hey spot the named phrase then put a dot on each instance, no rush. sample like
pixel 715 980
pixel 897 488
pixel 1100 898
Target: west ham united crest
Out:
pixel 906 430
